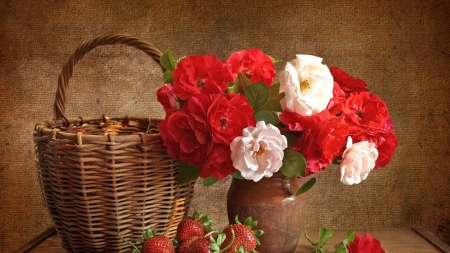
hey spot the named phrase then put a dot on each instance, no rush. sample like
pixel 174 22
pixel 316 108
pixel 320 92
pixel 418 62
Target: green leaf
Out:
pixel 210 181
pixel 258 232
pixel 326 236
pixel 148 233
pixel 350 236
pixel 238 175
pixel 309 240
pixel 294 164
pixel 214 247
pixel 265 116
pixel 291 138
pixel 167 76
pixel 340 249
pixel 337 160
pixel 277 119
pixel 257 95
pixel 167 60
pixel 322 232
pixel 273 59
pixel 221 238
pixel 273 104
pixel 241 83
pixel 187 173
pixel 306 186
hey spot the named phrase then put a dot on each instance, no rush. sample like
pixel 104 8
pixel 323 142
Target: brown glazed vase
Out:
pixel 272 202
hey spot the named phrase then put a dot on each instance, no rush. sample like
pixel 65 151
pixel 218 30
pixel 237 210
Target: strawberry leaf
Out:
pixel 213 246
pixel 221 238
pixel 148 233
pixel 236 219
pixel 258 232
pixel 248 222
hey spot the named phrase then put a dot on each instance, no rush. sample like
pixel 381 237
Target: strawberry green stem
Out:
pixel 130 243
pixel 229 244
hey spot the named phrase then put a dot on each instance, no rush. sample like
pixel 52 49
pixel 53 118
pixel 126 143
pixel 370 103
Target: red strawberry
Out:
pixel 198 225
pixel 158 244
pixel 187 229
pixel 200 245
pixel 244 235
pixel 242 250
pixel 184 248
pixel 152 243
pixel 208 244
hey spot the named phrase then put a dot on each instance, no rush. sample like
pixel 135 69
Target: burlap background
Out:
pixel 401 48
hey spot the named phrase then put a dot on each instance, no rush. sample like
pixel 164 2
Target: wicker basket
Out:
pixel 105 176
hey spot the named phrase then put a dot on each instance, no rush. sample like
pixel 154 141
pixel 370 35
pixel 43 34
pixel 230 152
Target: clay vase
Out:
pixel 272 202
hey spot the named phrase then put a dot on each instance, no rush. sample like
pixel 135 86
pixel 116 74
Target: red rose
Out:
pixel 347 83
pixel 321 137
pixel 385 142
pixel 228 115
pixel 167 99
pixel 218 162
pixel 185 138
pixel 252 63
pixel 199 74
pixel 365 112
pixel 365 244
pixel 336 102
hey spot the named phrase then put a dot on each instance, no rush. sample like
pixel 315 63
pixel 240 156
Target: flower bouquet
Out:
pixel 230 118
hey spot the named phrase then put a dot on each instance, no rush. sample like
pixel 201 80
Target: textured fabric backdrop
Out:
pixel 400 48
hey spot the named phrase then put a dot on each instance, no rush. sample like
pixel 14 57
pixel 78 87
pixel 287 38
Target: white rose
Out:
pixel 358 160
pixel 259 152
pixel 307 85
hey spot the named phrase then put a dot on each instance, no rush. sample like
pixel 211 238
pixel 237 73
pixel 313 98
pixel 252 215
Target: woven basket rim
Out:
pixel 46 128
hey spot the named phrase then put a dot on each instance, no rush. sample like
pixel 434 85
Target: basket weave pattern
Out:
pixel 105 176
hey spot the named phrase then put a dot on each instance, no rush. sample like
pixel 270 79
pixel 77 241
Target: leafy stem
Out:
pixel 324 236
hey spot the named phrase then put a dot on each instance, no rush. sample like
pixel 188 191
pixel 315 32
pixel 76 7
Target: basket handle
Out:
pixel 67 71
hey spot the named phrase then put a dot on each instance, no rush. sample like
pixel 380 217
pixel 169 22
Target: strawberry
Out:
pixel 242 250
pixel 158 244
pixel 187 229
pixel 200 245
pixel 198 225
pixel 208 244
pixel 152 243
pixel 244 235
pixel 185 246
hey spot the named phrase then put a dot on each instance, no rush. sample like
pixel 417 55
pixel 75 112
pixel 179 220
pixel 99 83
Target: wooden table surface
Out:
pixel 398 240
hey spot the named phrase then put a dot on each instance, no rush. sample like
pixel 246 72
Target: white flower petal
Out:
pixel 319 81
pixel 358 160
pixel 260 153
